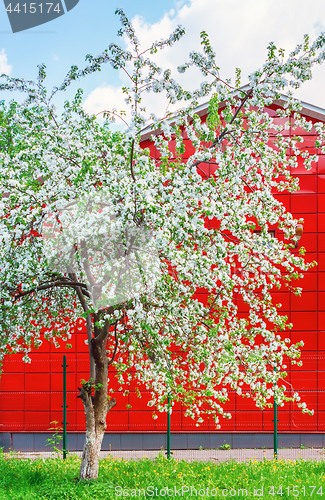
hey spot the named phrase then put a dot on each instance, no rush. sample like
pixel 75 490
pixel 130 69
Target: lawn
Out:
pixel 54 478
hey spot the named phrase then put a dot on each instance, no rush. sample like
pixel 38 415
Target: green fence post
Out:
pixel 168 426
pixel 275 416
pixel 64 407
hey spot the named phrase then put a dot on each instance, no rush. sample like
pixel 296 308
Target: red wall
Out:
pixel 31 394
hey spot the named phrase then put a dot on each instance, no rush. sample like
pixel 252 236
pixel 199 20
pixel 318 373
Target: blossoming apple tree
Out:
pixel 93 226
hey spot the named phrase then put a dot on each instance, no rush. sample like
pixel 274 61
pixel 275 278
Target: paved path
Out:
pixel 208 455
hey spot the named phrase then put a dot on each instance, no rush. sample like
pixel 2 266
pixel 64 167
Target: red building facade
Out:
pixel 31 394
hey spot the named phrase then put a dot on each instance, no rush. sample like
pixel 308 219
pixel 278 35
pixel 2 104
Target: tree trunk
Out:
pixel 90 455
pixel 94 397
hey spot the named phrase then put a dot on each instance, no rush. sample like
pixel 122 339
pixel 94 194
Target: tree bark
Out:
pixel 90 455
pixel 96 405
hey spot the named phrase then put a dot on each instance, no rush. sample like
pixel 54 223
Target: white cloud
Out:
pixel 106 98
pixel 239 32
pixel 4 66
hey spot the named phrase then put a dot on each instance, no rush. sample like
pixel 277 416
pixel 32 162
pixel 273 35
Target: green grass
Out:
pixel 52 478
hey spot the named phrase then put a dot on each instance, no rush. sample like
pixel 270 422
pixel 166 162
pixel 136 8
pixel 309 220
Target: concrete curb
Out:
pixel 239 455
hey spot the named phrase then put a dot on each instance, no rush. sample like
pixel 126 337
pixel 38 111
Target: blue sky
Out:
pixel 88 28
pixel 240 31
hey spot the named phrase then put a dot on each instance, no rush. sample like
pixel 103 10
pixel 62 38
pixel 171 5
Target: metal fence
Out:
pixel 31 419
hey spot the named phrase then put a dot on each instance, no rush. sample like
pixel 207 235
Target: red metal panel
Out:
pixel 203 169
pixel 285 199
pixel 176 422
pixel 56 416
pixel 201 297
pixel 81 346
pixel 308 397
pixel 304 133
pixel 44 347
pixel 12 382
pixel 172 148
pixel 321 320
pixel 56 361
pixel 307 183
pixel 282 298
pixel 244 404
pixel 57 382
pixel 148 144
pixel 133 385
pixel 321 262
pixel 321 242
pixel 321 202
pixel 309 359
pixel 321 164
pixel 62 349
pixel 321 223
pixel 177 406
pixel 320 357
pixel 303 421
pixel 321 379
pixel 227 425
pixel 310 258
pixel 321 421
pixel 37 420
pixel 122 402
pixel 321 301
pixel 189 149
pixel 40 363
pixel 280 121
pixel 117 420
pixel 57 401
pixel 230 405
pixel 139 403
pixel 12 401
pixel 13 364
pixel 309 242
pixel 71 420
pixel 283 419
pixel 37 401
pixel 301 169
pixel 83 363
pixel 303 203
pixel 320 407
pixel 81 421
pixel 309 339
pixel 212 223
pixel 160 424
pixel 302 380
pixel 321 183
pixel 321 282
pixel 307 302
pixel 310 222
pixel 243 307
pixel 33 382
pixel 79 404
pixel 308 144
pixel 114 383
pixel 304 320
pixel 308 282
pixel 12 420
pixel 321 340
pixel 80 325
pixel 190 425
pixel 249 420
pixel 246 417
